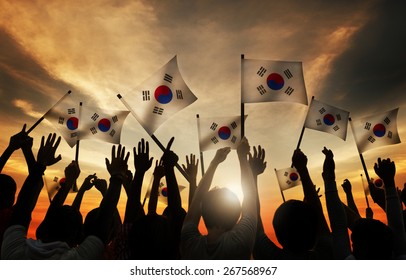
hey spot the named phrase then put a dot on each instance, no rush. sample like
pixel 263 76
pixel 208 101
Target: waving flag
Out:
pixel 267 81
pixel 53 185
pixel 163 192
pixel 326 118
pixel 219 132
pixel 64 116
pixel 101 124
pixel 376 130
pixel 287 178
pixel 159 97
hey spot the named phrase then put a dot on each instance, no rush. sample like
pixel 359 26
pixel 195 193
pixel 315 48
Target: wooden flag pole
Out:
pixel 43 117
pixel 154 138
pixel 242 103
pixel 283 196
pixel 200 151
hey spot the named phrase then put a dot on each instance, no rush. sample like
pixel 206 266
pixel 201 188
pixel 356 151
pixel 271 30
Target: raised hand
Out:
pixel 299 160
pixel 72 171
pixel 89 182
pixel 169 158
pixel 142 161
pixel 46 152
pixel 101 185
pixel 191 166
pixel 20 140
pixel 328 166
pixel 221 155
pixel 119 162
pixel 257 161
pixel 243 148
pixel 346 186
pixel 159 170
pixel 385 169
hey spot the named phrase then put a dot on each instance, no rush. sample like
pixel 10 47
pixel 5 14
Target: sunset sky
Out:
pixel 353 55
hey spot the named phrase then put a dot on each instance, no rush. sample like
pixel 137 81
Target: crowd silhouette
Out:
pixel 234 229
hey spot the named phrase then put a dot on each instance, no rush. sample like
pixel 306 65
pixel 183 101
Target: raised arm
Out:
pixel 159 173
pixel 88 183
pixel 347 187
pixel 142 162
pixel 29 193
pixel 299 160
pixel 193 215
pixel 336 212
pixel 72 172
pixel 386 170
pixel 191 170
pixel 117 168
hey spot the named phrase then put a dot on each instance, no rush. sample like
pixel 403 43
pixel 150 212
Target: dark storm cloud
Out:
pixel 371 72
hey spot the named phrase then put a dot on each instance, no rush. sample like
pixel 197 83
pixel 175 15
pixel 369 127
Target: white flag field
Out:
pixel 327 118
pixel 287 178
pixel 64 116
pixel 376 130
pixel 159 97
pixel 101 124
pixel 267 81
pixel 219 132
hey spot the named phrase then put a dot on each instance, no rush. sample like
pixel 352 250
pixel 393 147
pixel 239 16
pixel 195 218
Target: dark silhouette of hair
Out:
pixel 8 188
pixel 220 208
pixel 149 238
pixel 372 240
pixel 296 225
pixel 62 223
pixel 90 224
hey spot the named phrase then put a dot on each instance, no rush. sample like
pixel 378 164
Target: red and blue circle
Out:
pixel 164 192
pixel 62 180
pixel 224 132
pixel 379 130
pixel 293 176
pixel 163 94
pixel 104 125
pixel 275 81
pixel 378 183
pixel 72 123
pixel 329 119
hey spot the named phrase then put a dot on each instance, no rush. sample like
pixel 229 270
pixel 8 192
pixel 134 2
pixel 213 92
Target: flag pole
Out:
pixel 154 138
pixel 75 185
pixel 242 103
pixel 200 151
pixel 43 117
pixel 283 196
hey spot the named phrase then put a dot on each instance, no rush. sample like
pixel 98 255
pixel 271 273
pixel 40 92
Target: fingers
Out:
pixel 168 147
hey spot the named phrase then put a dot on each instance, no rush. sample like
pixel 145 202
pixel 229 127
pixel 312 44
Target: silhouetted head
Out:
pixel 61 223
pixel 150 238
pixel 8 188
pixel 221 208
pixel 371 240
pixel 90 226
pixel 296 225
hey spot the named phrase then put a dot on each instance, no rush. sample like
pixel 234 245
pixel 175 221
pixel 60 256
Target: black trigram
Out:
pixel 93 130
pixel 367 126
pixel 318 122
pixel 71 111
pixel 261 89
pixel 112 132
pixel 168 78
pixel 289 91
pixel 214 140
pixel 61 120
pixel 336 128
pixel 371 139
pixel 234 125
pixel 158 110
pixel 387 120
pixel 338 116
pixel 213 126
pixel 261 72
pixel 390 134
pixel 95 116
pixel 288 74
pixel 114 119
pixel 288 182
pixel 322 110
pixel 55 179
pixel 146 95
pixel 179 94
pixel 74 134
pixel 233 139
pixel 286 174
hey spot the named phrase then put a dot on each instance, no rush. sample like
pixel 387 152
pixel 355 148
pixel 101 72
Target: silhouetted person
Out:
pixel 231 227
pixel 191 170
